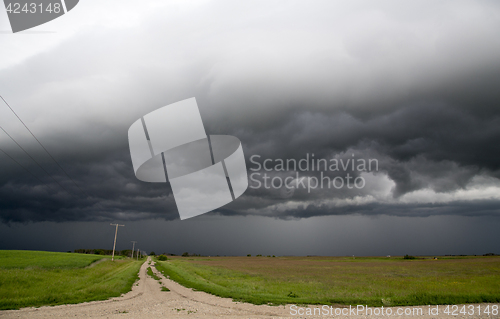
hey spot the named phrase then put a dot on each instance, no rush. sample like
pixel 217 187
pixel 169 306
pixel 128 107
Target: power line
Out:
pixel 114 244
pixel 27 170
pixel 33 159
pixel 44 147
pixel 133 249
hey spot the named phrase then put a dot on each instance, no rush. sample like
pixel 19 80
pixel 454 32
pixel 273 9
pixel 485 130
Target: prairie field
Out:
pixel 22 259
pixel 372 281
pixel 36 278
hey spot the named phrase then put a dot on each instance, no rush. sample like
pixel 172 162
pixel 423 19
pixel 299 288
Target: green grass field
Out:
pixel 36 278
pixel 341 280
pixel 44 259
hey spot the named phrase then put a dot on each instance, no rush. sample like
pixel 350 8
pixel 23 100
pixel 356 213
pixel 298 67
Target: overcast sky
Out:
pixel 413 85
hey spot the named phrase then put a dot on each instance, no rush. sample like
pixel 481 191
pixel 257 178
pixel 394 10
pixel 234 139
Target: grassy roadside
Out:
pixel 45 259
pixel 372 282
pixel 44 278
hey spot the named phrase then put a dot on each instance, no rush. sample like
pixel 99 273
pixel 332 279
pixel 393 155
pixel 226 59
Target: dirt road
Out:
pixel 147 300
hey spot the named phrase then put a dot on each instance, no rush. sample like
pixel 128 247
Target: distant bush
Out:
pixel 162 257
pixel 259 255
pixel 249 255
pixel 186 254
pixel 408 257
pixel 152 253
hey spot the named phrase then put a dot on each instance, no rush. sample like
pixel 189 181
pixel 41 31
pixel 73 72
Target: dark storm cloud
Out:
pixel 332 235
pixel 478 208
pixel 110 192
pixel 414 88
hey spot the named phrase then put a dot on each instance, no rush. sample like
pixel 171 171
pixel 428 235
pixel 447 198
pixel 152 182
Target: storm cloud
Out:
pixel 413 85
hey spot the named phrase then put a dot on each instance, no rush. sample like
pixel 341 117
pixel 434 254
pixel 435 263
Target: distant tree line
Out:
pixel 126 252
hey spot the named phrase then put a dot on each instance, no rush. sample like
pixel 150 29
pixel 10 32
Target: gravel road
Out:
pixel 146 300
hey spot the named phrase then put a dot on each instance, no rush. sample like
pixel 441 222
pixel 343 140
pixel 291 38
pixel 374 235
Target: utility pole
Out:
pixel 137 253
pixel 133 249
pixel 114 245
